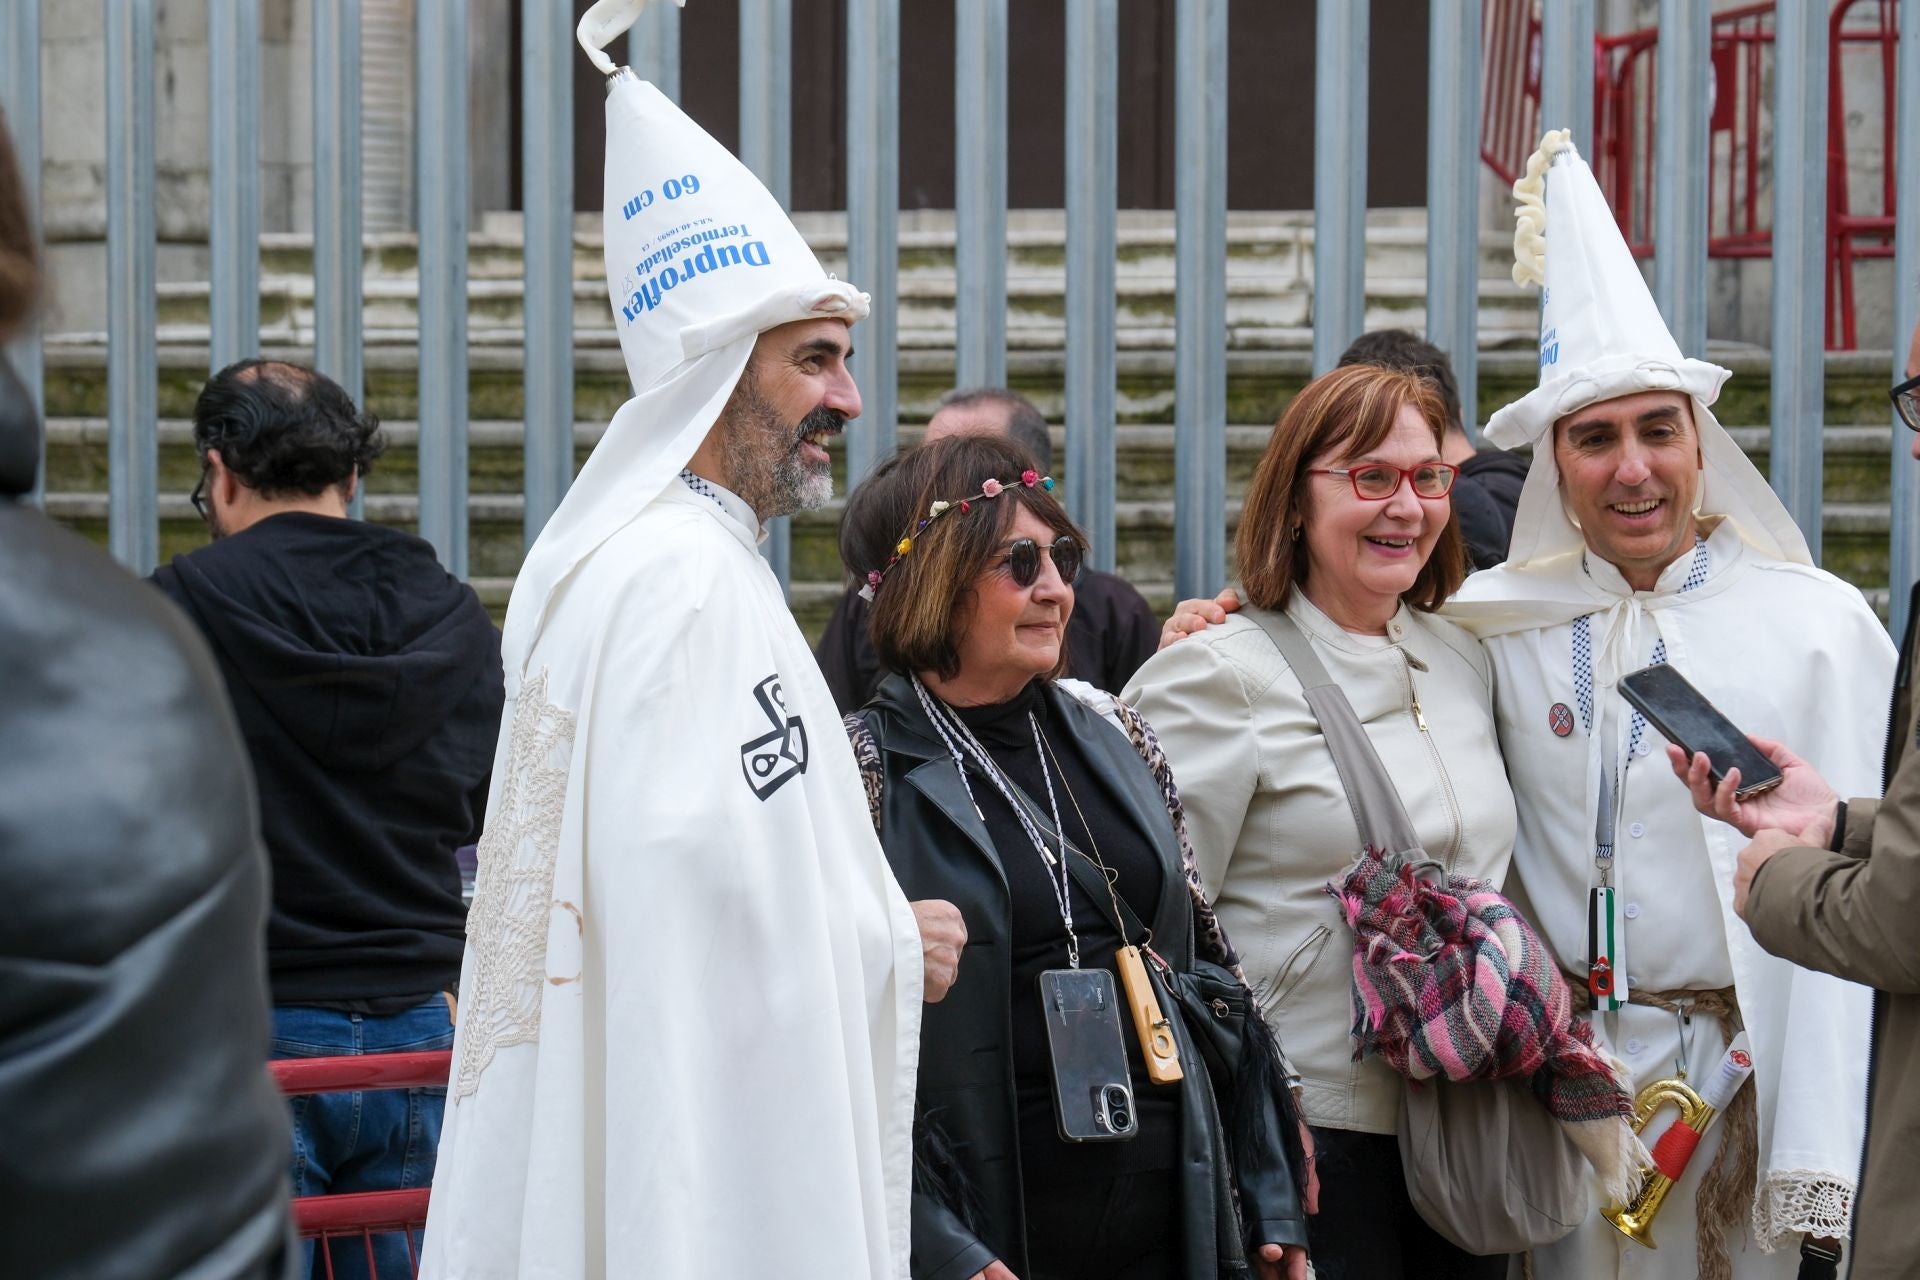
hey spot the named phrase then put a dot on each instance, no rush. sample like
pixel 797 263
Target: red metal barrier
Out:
pixel 1853 235
pixel 1741 61
pixel 332 1220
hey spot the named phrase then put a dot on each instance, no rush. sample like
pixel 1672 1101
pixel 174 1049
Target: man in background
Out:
pixel 367 684
pixel 1112 629
pixel 1487 492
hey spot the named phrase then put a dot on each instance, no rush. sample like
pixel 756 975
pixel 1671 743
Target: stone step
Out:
pixel 1259 383
pixel 1263 310
pixel 1857 459
pixel 1145 240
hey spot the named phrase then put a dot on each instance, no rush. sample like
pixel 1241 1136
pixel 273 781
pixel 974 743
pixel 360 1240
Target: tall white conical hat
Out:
pixel 1602 337
pixel 701 260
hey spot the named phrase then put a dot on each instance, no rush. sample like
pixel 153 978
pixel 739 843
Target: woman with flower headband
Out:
pixel 1009 792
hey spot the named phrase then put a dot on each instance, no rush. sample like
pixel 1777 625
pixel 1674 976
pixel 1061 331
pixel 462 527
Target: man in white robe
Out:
pixel 1644 535
pixel 690 1003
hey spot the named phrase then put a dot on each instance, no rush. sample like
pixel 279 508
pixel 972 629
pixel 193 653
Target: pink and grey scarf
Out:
pixel 1450 980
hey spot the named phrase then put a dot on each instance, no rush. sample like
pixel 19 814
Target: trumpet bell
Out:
pixel 1635 1218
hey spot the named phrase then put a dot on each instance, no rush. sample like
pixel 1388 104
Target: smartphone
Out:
pixel 1683 714
pixel 1092 1090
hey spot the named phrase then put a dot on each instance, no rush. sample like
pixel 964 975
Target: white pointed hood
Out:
pixel 701 260
pixel 1601 337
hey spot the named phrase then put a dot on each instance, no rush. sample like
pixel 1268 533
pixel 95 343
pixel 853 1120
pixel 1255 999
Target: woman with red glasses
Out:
pixel 1051 1144
pixel 1348 532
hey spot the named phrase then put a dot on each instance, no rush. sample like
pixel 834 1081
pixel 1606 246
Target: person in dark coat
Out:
pixel 1113 629
pixel 989 777
pixel 368 685
pixel 1487 493
pixel 142 1134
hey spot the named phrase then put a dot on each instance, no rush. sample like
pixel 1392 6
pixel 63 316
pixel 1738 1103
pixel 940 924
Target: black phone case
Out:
pixel 1089 1054
pixel 1685 718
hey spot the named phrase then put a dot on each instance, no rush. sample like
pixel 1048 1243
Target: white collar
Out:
pixel 732 504
pixel 1721 544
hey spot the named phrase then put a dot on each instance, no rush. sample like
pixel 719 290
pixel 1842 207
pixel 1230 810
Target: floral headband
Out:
pixel 991 488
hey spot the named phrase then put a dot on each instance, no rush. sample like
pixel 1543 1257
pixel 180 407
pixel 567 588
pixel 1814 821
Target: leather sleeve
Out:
pixel 1270 1195
pixel 943 1248
pixel 1850 913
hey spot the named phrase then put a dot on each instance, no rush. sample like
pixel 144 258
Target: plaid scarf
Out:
pixel 1450 980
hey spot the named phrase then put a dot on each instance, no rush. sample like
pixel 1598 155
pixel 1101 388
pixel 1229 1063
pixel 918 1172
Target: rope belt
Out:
pixel 1725 1194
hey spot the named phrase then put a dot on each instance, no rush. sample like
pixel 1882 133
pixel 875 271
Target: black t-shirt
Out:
pixel 1038 938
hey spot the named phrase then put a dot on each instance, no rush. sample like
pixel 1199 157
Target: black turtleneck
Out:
pixel 1038 938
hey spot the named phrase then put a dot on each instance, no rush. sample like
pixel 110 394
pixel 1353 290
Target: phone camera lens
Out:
pixel 1121 1120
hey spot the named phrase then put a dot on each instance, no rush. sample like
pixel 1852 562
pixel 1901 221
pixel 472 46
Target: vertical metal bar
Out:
pixel 1904 557
pixel 20 98
pixel 1200 311
pixel 546 134
pixel 1093 187
pixel 440 47
pixel 653 47
pixel 336 201
pixel 766 135
pixel 1453 227
pixel 1339 178
pixel 133 455
pixel 766 93
pixel 1566 71
pixel 1680 156
pixel 1799 261
pixel 980 192
pixel 873 222
pixel 233 90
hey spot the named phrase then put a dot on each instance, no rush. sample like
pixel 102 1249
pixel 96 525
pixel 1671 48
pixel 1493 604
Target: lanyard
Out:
pixel 961 744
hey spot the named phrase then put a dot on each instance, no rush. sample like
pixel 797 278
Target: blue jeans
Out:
pixel 377 1140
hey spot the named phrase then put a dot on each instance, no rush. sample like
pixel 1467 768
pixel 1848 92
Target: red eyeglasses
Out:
pixel 1376 481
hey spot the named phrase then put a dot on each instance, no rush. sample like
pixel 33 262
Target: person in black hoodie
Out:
pixel 368 686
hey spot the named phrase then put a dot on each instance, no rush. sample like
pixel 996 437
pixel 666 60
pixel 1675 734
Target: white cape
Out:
pixel 1787 651
pixel 691 998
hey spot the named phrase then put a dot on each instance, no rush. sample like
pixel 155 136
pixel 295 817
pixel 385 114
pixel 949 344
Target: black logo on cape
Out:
pixel 773 759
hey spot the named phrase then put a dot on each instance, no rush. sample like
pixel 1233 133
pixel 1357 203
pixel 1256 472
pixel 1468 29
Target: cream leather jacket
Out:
pixel 1270 821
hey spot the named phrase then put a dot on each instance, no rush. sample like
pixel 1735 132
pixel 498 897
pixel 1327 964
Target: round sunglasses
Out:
pixel 1022 559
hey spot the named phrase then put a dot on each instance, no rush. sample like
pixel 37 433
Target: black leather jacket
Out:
pixel 939 848
pixel 140 1135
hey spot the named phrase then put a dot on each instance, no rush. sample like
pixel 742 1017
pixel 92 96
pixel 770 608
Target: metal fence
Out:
pixel 1202 29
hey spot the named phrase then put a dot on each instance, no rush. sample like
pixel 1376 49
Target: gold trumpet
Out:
pixel 1635 1219
pixel 1675 1148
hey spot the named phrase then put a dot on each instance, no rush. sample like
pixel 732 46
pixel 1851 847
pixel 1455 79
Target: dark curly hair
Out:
pixel 281 428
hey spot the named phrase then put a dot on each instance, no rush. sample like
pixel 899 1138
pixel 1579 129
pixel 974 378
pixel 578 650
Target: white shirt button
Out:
pixel 1644 749
pixel 1637 830
pixel 1633 911
pixel 1632 981
pixel 1635 1047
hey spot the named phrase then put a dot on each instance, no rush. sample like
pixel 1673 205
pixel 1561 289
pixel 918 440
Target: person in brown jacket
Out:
pixel 1833 885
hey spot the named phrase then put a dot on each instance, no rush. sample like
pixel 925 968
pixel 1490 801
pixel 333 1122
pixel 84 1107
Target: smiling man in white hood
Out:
pixel 1644 535
pixel 690 1003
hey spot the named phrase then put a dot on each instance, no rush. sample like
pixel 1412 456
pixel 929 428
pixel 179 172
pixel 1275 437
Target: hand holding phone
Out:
pixel 1684 716
pixel 1802 805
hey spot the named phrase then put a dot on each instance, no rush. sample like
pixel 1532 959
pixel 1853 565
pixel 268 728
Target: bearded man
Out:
pixel 691 996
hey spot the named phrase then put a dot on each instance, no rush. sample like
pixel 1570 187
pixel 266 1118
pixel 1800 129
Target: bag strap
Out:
pixel 1375 801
